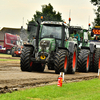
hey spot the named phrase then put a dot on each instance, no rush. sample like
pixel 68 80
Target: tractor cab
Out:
pixel 31 30
pixel 54 33
pixel 82 34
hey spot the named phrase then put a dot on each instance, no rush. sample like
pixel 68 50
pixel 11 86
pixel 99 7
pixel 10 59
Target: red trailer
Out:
pixel 10 41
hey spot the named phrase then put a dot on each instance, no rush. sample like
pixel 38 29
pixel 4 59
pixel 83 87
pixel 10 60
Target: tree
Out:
pixel 94 2
pixel 48 14
pixel 97 19
pixel 97 12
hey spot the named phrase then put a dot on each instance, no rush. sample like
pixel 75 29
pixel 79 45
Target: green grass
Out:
pixel 9 59
pixel 85 90
pixel 5 55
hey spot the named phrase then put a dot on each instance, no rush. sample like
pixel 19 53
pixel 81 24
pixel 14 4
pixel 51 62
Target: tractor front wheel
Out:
pixel 83 60
pixel 61 61
pixel 25 62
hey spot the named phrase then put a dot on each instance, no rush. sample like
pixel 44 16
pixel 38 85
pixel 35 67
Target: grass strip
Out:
pixel 9 60
pixel 84 90
pixel 5 55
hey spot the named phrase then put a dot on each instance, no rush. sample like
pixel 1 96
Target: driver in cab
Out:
pixel 76 35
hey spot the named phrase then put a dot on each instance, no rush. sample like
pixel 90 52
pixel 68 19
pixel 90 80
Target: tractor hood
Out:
pixel 47 45
pixel 95 42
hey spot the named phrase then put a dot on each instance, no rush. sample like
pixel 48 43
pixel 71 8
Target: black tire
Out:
pixel 83 60
pixel 12 53
pixel 72 61
pixel 96 60
pixel 25 62
pixel 61 61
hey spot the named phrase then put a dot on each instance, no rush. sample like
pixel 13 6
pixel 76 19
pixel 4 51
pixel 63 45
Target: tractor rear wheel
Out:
pixel 83 60
pixel 61 61
pixel 25 62
pixel 72 61
pixel 96 60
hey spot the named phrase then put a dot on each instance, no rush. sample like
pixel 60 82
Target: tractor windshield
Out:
pixel 51 31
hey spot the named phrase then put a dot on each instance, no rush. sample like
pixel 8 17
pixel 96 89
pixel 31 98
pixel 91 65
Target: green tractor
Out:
pixel 95 32
pixel 85 50
pixel 54 48
pixel 85 57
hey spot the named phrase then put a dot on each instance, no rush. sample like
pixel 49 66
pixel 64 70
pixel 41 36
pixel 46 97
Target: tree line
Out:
pixel 97 12
pixel 49 14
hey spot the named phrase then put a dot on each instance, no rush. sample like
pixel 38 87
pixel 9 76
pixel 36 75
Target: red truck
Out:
pixel 10 41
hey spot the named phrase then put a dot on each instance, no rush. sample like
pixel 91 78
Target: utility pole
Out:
pixel 89 23
pixel 69 17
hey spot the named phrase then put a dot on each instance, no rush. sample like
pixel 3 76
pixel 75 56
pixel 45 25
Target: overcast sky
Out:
pixel 15 13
